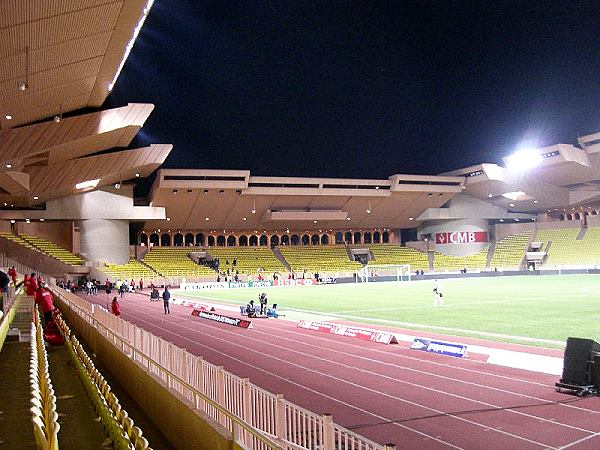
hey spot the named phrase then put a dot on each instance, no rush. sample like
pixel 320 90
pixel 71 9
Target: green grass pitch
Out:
pixel 538 310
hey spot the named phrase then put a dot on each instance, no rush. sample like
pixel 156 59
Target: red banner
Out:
pixel 383 337
pixel 461 237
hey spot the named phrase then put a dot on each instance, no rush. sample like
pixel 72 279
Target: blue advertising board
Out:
pixel 439 347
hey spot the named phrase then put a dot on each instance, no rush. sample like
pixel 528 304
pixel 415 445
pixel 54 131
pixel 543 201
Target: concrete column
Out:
pixel 105 240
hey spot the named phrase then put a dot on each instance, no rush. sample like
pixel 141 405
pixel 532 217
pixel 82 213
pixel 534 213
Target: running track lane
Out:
pixel 386 393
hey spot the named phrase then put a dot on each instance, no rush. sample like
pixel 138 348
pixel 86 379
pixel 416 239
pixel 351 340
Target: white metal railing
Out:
pixel 256 418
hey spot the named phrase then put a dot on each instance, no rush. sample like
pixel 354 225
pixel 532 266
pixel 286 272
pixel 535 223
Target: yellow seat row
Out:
pixel 394 254
pixel 54 250
pixel 510 251
pixel 175 262
pixel 248 260
pixel 319 259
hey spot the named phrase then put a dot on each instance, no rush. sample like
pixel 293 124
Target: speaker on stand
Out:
pixel 581 369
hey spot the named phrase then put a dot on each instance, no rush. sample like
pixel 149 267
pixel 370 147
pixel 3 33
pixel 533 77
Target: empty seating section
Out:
pixel 133 269
pixel 319 259
pixel 56 251
pixel 566 250
pixel 18 240
pixel 394 254
pixel 442 262
pixel 509 251
pixel 175 262
pixel 43 401
pixel 248 260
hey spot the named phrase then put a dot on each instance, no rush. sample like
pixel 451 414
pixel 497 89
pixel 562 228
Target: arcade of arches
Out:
pixel 202 239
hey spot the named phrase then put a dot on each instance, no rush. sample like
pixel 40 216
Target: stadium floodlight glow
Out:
pixel 87 184
pixel 523 159
pixel 513 195
pixel 136 31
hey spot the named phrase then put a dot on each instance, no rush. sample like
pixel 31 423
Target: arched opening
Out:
pixel 569 217
pixel 339 238
pixel 577 216
pixel 305 239
pixel 200 239
pixel 385 237
pixel 325 240
pixel 367 237
pixel 285 240
pixel 314 239
pixel 376 237
pixel 295 239
pixel 178 240
pixel 211 241
pixel 243 241
pixel 220 241
pixel 264 240
pixel 144 239
pixel 348 237
pixel 154 239
pixel 253 241
pixel 189 239
pixel 561 217
pixel 231 241
pixel 165 240
pixel 594 213
pixel 357 237
pixel 274 240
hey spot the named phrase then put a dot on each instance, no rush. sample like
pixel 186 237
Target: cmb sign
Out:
pixel 461 237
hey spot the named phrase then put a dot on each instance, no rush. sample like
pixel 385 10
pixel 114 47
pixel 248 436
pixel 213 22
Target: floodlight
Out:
pixel 87 184
pixel 513 195
pixel 523 159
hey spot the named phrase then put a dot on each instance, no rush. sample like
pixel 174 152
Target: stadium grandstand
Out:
pixel 68 169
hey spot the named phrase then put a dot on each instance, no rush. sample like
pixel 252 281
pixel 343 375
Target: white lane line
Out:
pixel 579 441
pixel 436 411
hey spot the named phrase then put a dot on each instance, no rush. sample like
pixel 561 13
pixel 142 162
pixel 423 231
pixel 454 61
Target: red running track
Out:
pixel 389 393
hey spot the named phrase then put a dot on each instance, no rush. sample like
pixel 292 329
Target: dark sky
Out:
pixel 362 89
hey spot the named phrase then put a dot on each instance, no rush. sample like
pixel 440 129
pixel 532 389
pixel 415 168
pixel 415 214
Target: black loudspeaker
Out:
pixel 579 368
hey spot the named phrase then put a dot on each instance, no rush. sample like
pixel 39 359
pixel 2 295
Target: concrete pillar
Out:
pixel 105 240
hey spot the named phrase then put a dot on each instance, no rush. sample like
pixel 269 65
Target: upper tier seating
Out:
pixel 319 259
pixel 567 250
pixel 510 250
pixel 175 262
pixel 248 260
pixel 443 262
pixel 394 254
pixel 133 269
pixel 19 240
pixel 54 250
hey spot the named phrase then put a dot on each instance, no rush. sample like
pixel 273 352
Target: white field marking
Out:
pixel 590 290
pixel 436 411
pixel 314 391
pixel 579 441
pixel 408 324
pixel 458 380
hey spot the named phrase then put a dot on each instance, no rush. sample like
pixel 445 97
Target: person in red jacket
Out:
pixel 31 287
pixel 43 298
pixel 12 273
pixel 116 307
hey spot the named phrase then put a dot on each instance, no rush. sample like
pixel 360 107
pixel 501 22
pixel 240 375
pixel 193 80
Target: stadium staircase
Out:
pixel 48 401
pixel 280 257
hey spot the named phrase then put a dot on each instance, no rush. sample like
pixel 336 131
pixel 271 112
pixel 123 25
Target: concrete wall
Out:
pixel 105 240
pixel 433 227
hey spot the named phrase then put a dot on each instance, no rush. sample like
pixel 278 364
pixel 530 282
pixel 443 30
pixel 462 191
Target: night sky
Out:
pixel 362 89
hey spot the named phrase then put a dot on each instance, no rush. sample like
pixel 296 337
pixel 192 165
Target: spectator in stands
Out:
pixel 12 273
pixel 166 296
pixel 262 298
pixel 250 309
pixel 43 298
pixel 437 294
pixel 116 307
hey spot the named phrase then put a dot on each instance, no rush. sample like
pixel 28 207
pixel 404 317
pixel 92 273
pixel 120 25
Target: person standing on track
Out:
pixel 166 296
pixel 116 307
pixel 437 294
